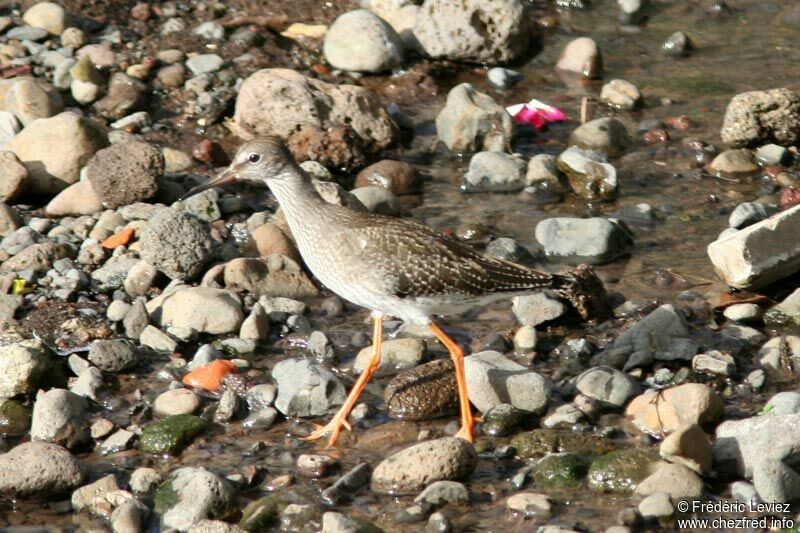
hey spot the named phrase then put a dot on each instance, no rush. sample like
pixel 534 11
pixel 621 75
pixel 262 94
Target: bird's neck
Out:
pixel 296 194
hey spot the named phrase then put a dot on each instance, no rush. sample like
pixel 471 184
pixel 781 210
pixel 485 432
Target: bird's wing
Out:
pixel 414 260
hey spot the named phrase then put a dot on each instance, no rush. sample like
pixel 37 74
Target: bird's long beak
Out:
pixel 229 175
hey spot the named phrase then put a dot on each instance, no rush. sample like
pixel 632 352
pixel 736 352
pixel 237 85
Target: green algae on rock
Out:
pixel 621 470
pixel 171 435
pixel 539 442
pixel 560 470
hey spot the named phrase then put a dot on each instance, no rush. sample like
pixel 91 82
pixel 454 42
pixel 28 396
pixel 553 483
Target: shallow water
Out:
pixel 749 49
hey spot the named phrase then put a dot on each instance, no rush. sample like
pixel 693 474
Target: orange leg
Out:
pixel 340 418
pixel 457 354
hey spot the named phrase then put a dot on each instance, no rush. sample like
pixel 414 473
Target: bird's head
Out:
pixel 261 161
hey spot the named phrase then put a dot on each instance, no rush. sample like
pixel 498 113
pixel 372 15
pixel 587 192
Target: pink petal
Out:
pixel 550 113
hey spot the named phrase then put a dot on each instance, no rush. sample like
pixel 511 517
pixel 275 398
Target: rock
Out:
pixel 86 496
pixel 125 95
pixel 396 354
pixel 256 325
pixel 360 41
pixel 540 442
pixel 269 239
pixel 111 276
pixel 398 177
pixel 607 135
pixel 544 176
pixel 678 45
pixel 690 447
pixel 13 177
pixel 117 310
pixel 337 147
pixel 494 172
pixel 313 465
pixel 176 243
pixel 663 335
pixel 113 355
pixel 786 314
pixel 333 522
pixel 582 240
pixel 213 31
pixel 59 416
pixel 73 37
pixel 204 63
pixel 140 278
pixel 10 221
pixel 493 379
pixel 780 358
pixel 176 402
pixel 46 15
pixel 471 121
pixel 488 31
pixel 9 127
pixel 171 435
pixel 192 494
pixel 120 441
pixel 280 101
pixel 274 276
pixel 443 492
pixel 54 150
pixel 22 365
pixel 424 392
pixel 772 155
pixel 503 78
pixel 761 253
pixel 676 480
pixel 677 407
pixel 748 213
pixel 125 173
pixel 77 199
pixel 581 56
pixel 39 469
pixel 733 163
pixel 15 419
pixel 203 309
pixel 530 504
pixel 144 480
pixel 36 257
pixel 608 385
pixel 620 94
pixel 776 481
pixel 559 470
pixel 128 516
pixel 378 200
pixel 136 320
pixel 656 506
pixel 758 117
pixel 783 403
pixel 30 99
pixel 305 388
pixel 714 362
pixel 410 470
pixel 621 471
pixel 589 174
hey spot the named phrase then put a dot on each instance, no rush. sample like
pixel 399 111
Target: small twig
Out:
pixel 586 113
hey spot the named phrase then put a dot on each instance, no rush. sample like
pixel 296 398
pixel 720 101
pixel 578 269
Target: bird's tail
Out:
pixel 584 290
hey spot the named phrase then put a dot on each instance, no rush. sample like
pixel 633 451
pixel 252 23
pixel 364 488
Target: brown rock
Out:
pixel 676 480
pixel 671 409
pixel 13 177
pixel 274 276
pixel 337 147
pixel 211 153
pixel 125 95
pixel 77 199
pixel 690 447
pixel 38 257
pixel 30 99
pixel 425 392
pixel 125 173
pixel 397 176
pixel 9 221
pixel 268 239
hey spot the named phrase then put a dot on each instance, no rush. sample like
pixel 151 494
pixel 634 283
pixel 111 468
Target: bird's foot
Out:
pixel 333 427
pixel 466 433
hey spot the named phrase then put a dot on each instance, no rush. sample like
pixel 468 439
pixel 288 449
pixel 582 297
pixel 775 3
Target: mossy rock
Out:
pixel 166 497
pixel 171 435
pixel 560 470
pixel 540 442
pixel 621 471
pixel 15 418
pixel 262 514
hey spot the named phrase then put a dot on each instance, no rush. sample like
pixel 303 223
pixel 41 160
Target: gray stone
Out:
pixel 195 494
pixel 113 355
pixel 535 309
pixel 493 379
pixel 785 314
pixel 305 388
pixel 503 78
pixel 22 365
pixel 758 117
pixel 663 335
pixel 176 402
pixel 657 505
pixel 741 444
pixel 530 504
pixel 140 278
pixel 212 31
pixel 10 221
pixel 59 416
pixel 111 276
pixel 494 172
pixel 607 135
pixel 260 419
pixel 582 240
pixel 678 45
pixel 396 354
pixel 347 484
pixel 202 309
pixel 39 469
pixel 743 313
pixel 125 173
pixel 144 480
pixel 136 320
pixel 607 385
pixel 676 480
pixel 472 121
pixel 256 325
pixel 714 362
pixel 13 177
pixel 772 154
pixel 378 199
pixel 442 492
pixel 759 254
pixel 204 63
pixel 119 441
pixel 485 31
pixel 410 470
pixel 360 41
pixel 783 403
pixel 176 243
pixel 780 358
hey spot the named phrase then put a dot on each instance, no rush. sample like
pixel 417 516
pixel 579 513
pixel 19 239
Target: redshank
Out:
pixel 394 267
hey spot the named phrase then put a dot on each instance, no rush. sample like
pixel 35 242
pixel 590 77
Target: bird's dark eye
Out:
pixel 254 158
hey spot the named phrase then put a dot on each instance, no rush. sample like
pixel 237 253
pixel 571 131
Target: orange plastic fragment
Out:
pixel 120 239
pixel 208 377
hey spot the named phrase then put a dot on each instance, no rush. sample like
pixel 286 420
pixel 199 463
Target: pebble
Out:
pixel 755 117
pixel 714 362
pixel 22 366
pixel 588 173
pixel 494 379
pixel 689 446
pixel 503 78
pixel 410 470
pixel 472 121
pixel 347 484
pixel 784 403
pixel 59 416
pixel 620 94
pixel 212 31
pixel 676 480
pixel 536 309
pixel 678 45
pixel 360 41
pixel 194 494
pixel 607 385
pixel 530 504
pixel 113 355
pixel 442 492
pixel 606 135
pixel 378 200
pixel 171 435
pixel 27 33
pixel 305 388
pixel 176 402
pixel 581 56
pixel 39 469
pixel 525 339
pixel 398 177
pixel 48 16
pixel 424 392
pixel 494 172
pixel 582 240
pixel 316 466
pixel 144 480
pixel 176 243
pixel 656 506
pixel 677 407
pixel 771 155
pixel 396 354
pixel 748 213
